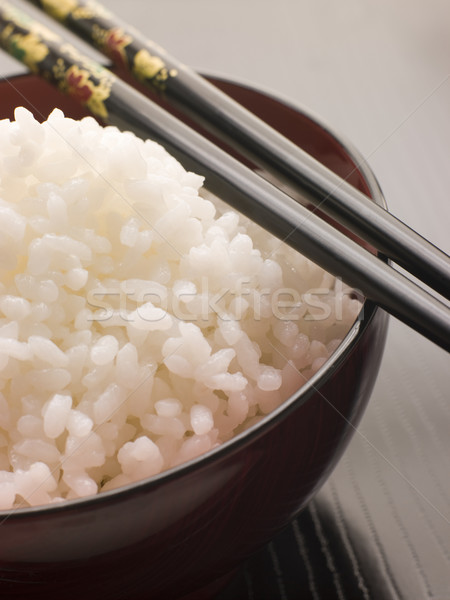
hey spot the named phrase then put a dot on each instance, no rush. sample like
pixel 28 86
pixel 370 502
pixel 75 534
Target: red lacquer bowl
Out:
pixel 181 533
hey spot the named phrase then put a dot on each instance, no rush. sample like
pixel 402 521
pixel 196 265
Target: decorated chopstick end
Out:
pixel 48 55
pixel 125 47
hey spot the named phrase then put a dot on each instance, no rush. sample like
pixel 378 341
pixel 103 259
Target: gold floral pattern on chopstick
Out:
pixel 27 48
pixel 147 67
pixel 126 47
pixel 47 54
pixel 59 9
pixel 114 42
pixel 77 83
pixel 85 82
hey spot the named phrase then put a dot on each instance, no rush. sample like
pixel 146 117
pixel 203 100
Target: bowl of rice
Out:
pixel 175 383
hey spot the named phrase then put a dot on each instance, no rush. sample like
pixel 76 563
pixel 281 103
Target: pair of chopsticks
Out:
pixel 115 102
pixel 194 95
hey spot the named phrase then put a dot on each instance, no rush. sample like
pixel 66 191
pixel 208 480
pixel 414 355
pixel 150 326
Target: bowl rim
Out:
pixel 295 400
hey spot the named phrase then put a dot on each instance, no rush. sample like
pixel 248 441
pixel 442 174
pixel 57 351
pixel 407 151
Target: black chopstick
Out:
pixel 201 100
pixel 115 102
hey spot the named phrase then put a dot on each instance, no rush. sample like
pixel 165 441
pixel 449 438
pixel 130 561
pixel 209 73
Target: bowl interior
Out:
pixel 295 123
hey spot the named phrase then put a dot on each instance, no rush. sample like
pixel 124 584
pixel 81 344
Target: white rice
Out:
pixel 141 323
